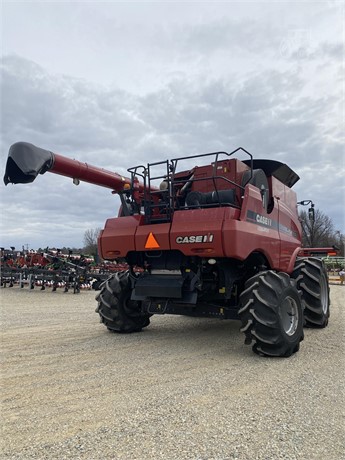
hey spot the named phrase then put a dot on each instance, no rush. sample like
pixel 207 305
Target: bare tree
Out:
pixel 340 242
pixel 318 232
pixel 90 241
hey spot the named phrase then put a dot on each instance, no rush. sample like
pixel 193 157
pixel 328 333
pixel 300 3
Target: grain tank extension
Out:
pixel 220 239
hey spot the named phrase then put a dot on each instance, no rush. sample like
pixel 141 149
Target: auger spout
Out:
pixel 26 161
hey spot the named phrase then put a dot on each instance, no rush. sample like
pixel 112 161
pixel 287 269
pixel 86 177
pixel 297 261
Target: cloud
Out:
pixel 63 111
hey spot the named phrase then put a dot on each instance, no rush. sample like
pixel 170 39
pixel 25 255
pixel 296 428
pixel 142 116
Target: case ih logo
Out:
pixel 261 220
pixel 195 239
pixel 264 220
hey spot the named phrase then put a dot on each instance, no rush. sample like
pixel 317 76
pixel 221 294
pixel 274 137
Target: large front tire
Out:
pixel 271 312
pixel 117 311
pixel 311 278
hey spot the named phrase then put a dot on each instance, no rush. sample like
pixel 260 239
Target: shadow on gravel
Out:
pixel 186 334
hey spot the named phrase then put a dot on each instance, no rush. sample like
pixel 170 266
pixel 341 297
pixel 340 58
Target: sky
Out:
pixel 117 84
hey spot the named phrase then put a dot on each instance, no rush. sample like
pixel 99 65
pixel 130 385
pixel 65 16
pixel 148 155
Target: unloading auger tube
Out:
pixel 26 161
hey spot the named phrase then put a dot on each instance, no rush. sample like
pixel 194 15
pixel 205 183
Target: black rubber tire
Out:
pixel 271 312
pixel 117 312
pixel 311 278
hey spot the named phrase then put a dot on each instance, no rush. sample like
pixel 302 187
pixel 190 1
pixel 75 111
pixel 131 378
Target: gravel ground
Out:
pixel 184 388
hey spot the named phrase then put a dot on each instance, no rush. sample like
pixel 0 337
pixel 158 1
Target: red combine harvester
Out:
pixel 219 240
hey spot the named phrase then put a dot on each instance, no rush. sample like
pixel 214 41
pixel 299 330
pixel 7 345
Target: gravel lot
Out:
pixel 184 388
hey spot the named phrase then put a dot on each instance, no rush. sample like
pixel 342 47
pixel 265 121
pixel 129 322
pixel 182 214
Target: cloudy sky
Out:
pixel 117 84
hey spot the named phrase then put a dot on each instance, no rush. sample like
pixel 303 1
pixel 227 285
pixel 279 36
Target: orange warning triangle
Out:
pixel 151 242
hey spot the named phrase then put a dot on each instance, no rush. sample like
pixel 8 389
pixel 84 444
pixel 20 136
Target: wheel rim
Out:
pixel 324 294
pixel 290 316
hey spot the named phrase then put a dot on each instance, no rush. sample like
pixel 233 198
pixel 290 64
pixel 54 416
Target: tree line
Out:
pixel 320 232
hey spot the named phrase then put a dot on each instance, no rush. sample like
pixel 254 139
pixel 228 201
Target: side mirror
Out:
pixel 311 213
pixel 311 210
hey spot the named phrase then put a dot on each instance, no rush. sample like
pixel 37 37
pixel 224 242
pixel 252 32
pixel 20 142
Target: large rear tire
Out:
pixel 311 278
pixel 117 311
pixel 271 312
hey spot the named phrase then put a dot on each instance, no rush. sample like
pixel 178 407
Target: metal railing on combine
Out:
pixel 161 203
